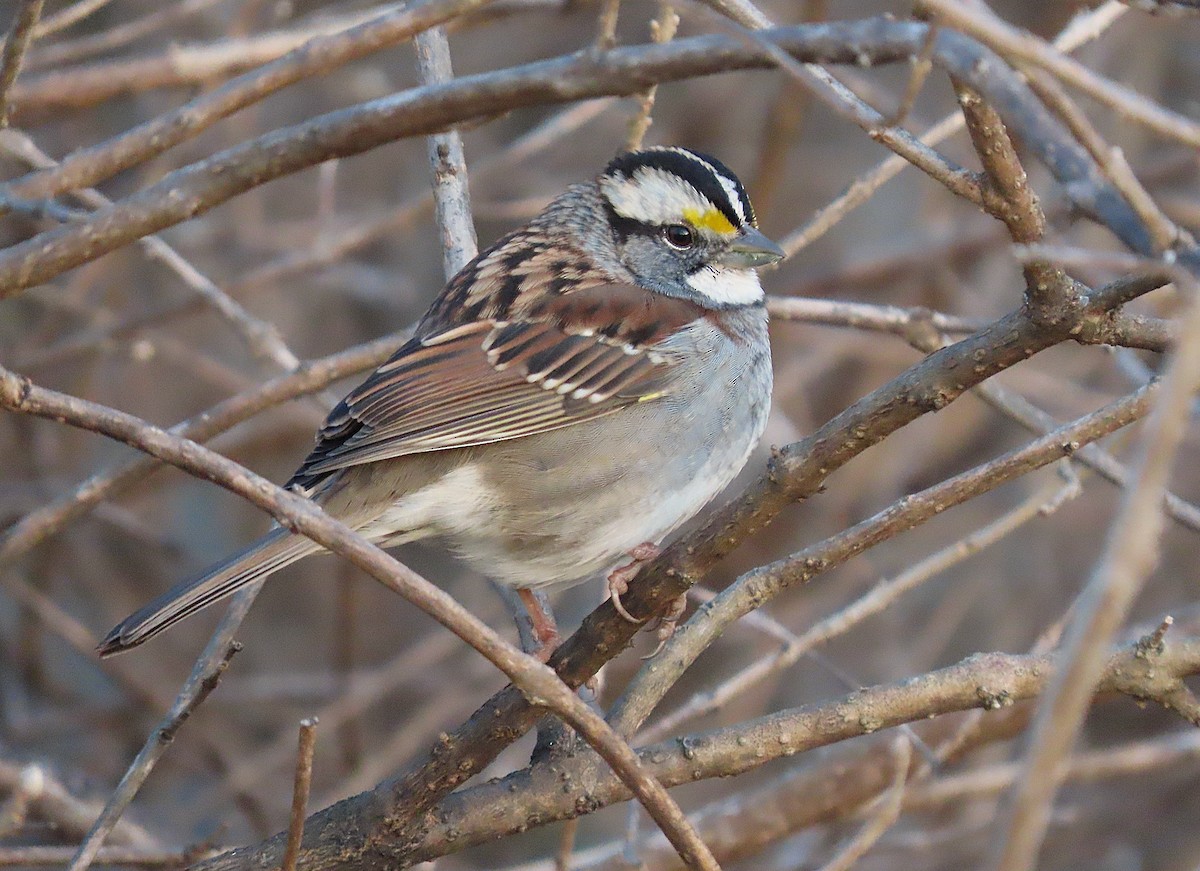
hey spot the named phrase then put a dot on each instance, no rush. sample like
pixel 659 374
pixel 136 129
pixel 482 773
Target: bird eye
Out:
pixel 679 236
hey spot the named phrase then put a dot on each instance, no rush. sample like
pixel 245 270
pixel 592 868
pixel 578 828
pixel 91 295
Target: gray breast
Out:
pixel 562 506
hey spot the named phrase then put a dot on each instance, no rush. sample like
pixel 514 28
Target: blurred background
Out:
pixel 348 252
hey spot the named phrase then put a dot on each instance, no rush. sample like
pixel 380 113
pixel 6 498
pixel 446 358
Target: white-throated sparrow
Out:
pixel 574 394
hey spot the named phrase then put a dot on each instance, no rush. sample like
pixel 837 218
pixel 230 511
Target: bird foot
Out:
pixel 668 621
pixel 619 578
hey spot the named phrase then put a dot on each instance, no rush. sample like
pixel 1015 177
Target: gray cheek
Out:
pixel 655 266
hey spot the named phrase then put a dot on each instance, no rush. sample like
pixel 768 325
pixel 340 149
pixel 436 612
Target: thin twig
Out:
pixel 363 692
pixel 882 817
pixel 68 17
pixel 875 601
pixel 15 44
pixel 536 681
pixel 300 789
pixel 261 337
pixel 1129 554
pixel 606 24
pixel 72 817
pixel 978 21
pixel 566 845
pixel 119 35
pixel 1123 760
pixel 922 67
pixel 452 201
pixel 1093 456
pixel 662 29
pixel 86 85
pixel 887 318
pixel 202 681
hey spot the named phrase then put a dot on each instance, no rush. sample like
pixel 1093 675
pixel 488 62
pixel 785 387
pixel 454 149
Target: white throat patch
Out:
pixel 726 286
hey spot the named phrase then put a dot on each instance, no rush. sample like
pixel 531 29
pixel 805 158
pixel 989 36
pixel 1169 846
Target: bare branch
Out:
pixel 109 39
pixel 64 18
pixel 202 681
pixel 981 23
pixel 319 53
pixel 662 29
pixel 1130 553
pixel 49 799
pixel 990 682
pixel 450 192
pixel 537 682
pixel 195 189
pixel 303 781
pixel 883 818
pixel 15 44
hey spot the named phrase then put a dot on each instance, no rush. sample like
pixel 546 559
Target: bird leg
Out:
pixel 545 629
pixel 619 578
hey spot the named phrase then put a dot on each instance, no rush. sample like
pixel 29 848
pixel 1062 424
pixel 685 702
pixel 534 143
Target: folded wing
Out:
pixel 482 382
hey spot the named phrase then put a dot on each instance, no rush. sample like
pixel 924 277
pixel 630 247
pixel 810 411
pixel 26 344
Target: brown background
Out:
pixel 912 245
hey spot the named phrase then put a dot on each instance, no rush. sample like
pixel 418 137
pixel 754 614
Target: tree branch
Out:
pixel 199 187
pixel 538 684
pixel 985 681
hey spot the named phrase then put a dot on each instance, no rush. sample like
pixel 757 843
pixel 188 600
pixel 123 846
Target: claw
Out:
pixel 619 578
pixel 618 583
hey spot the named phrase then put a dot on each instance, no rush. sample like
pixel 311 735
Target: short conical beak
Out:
pixel 751 249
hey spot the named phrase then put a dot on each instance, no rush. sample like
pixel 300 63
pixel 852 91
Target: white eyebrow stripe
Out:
pixel 653 196
pixel 730 186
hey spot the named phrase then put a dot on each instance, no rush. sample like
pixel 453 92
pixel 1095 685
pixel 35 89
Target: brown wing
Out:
pixel 482 382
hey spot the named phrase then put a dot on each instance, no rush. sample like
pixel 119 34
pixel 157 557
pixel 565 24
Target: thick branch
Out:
pixel 403 803
pixel 319 54
pixel 984 681
pixel 199 187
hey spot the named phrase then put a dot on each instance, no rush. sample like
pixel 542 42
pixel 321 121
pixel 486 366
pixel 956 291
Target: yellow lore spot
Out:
pixel 710 219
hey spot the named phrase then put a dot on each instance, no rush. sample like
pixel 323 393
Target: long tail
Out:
pixel 269 554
